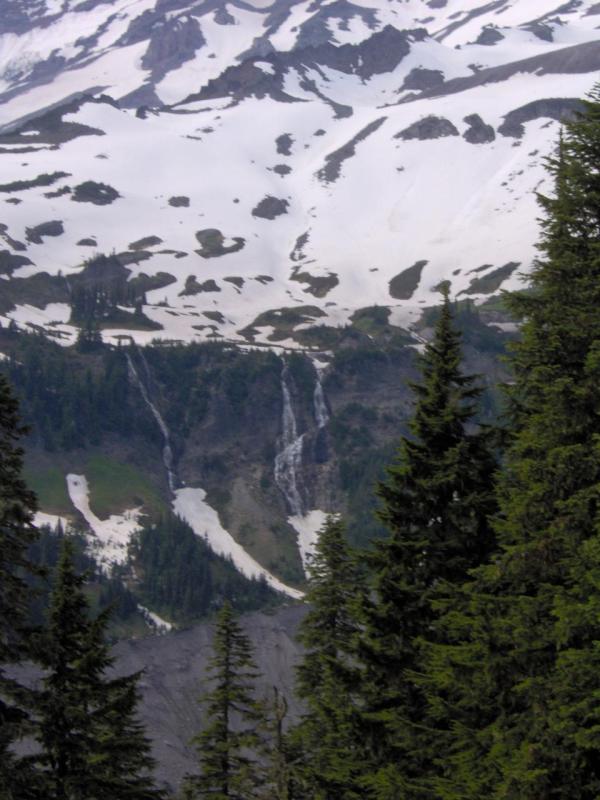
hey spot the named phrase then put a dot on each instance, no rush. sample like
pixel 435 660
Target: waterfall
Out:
pixel 320 406
pixel 288 462
pixel 167 452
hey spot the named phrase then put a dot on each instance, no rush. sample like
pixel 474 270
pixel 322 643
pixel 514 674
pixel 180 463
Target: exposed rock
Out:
pixel 464 19
pixel 174 667
pixel 214 316
pixel 145 242
pixel 317 285
pixel 172 43
pixel 37 290
pixel 223 17
pixel 58 193
pixel 419 79
pixel 270 208
pixel 236 280
pixel 576 60
pixel 89 242
pixel 490 35
pixel 36 233
pixel 41 180
pixel 404 285
pixel 143 283
pixel 478 132
pixel 212 243
pixel 543 32
pixel 430 127
pixel 192 286
pixel 100 194
pixel 553 108
pixel 297 253
pixel 134 257
pixel 284 144
pixel 179 201
pixel 10 262
pixel 487 284
pixel 316 31
pixel 282 169
pixel 333 162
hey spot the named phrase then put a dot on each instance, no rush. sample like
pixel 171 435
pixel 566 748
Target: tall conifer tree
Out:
pixel 435 503
pixel 92 745
pixel 229 744
pixel 522 671
pixel 17 505
pixel 328 733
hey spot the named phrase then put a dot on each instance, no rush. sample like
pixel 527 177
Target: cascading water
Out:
pixel 320 406
pixel 167 452
pixel 288 461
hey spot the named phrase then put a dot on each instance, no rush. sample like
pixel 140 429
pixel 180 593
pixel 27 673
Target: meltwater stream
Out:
pixel 288 461
pixel 320 406
pixel 167 452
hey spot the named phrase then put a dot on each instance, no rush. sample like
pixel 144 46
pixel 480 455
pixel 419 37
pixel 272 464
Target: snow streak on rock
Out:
pixel 288 461
pixel 191 506
pixel 167 450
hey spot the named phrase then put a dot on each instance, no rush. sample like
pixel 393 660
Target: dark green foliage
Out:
pixel 328 734
pixel 182 578
pixel 521 674
pixel 228 745
pixel 103 591
pixel 17 533
pixel 69 403
pixel 91 745
pixel 436 502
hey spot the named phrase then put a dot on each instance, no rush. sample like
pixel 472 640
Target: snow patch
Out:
pixel 113 534
pixel 161 625
pixel 191 506
pixel 308 527
pixel 40 519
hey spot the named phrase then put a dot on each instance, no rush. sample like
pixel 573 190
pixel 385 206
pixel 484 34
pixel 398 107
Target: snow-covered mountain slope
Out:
pixel 243 158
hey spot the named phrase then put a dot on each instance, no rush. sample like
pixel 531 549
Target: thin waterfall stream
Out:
pixel 288 461
pixel 167 453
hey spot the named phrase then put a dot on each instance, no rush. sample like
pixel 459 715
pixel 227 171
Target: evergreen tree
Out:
pixel 436 503
pixel 92 746
pixel 327 676
pixel 228 745
pixel 17 532
pixel 522 670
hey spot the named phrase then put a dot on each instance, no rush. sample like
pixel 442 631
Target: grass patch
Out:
pixel 50 486
pixel 115 486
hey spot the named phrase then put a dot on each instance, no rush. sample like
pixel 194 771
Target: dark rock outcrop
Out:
pixel 270 208
pixel 405 284
pixel 553 108
pixel 430 127
pixel 478 132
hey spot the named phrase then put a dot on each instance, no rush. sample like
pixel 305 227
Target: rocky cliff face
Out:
pixel 174 676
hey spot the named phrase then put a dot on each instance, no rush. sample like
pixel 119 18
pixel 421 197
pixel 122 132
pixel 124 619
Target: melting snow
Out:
pixel 154 620
pixel 191 505
pixel 113 534
pixel 52 520
pixel 308 528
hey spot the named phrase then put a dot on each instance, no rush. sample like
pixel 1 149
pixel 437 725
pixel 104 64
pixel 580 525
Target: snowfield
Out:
pixel 283 157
